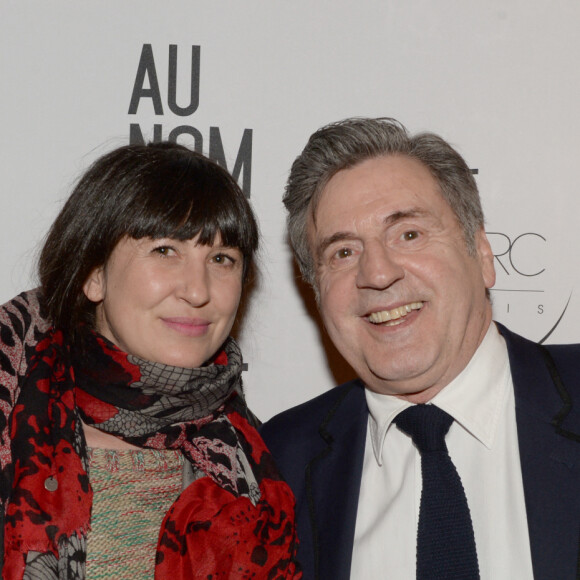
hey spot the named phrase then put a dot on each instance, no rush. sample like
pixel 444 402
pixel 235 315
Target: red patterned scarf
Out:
pixel 236 520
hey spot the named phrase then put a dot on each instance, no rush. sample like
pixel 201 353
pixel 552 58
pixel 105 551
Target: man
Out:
pixel 388 229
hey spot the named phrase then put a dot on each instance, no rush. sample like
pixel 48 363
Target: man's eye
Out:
pixel 343 253
pixel 411 235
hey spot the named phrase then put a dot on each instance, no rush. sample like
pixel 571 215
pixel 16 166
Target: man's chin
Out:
pixel 407 382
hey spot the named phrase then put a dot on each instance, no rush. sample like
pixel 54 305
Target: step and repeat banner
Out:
pixel 248 82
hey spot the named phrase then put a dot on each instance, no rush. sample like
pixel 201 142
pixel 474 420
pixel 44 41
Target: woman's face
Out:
pixel 167 301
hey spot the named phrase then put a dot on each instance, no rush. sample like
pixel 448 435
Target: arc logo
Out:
pixel 527 287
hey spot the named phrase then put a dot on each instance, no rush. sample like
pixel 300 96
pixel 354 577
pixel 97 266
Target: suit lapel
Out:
pixel 549 455
pixel 549 458
pixel 333 479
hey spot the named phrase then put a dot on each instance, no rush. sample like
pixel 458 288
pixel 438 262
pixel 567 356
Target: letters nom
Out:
pixel 216 148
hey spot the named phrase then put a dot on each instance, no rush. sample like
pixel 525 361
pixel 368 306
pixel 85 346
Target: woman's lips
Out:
pixel 187 326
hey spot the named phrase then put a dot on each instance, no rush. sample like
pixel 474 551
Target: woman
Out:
pixel 125 438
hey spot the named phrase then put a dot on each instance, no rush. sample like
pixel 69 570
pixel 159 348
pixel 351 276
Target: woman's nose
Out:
pixel 194 285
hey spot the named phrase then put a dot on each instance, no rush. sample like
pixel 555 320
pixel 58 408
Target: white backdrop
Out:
pixel 498 79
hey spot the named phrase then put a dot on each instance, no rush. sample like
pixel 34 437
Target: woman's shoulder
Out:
pixel 22 325
pixel 25 310
pixel 22 318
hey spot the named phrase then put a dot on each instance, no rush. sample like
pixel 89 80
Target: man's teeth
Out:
pixel 394 314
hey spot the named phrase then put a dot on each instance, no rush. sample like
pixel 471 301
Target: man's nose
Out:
pixel 378 268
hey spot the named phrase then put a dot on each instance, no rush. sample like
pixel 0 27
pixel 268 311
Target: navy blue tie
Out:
pixel 445 540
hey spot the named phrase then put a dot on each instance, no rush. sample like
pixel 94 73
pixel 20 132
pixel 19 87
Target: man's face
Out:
pixel 400 295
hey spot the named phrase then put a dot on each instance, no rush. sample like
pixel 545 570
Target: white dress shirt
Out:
pixel 483 445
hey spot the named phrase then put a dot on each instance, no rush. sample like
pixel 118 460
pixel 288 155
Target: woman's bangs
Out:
pixel 189 213
pixel 217 216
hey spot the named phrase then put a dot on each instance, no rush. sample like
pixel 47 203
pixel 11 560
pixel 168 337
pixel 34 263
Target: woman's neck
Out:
pixel 101 440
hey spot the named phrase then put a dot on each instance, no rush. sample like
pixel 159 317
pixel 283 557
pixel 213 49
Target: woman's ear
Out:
pixel 95 285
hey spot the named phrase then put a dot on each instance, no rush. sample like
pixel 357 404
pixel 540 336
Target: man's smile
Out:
pixel 394 315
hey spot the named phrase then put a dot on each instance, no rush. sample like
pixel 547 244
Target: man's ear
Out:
pixel 485 255
pixel 95 285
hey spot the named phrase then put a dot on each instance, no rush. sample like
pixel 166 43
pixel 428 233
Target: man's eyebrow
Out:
pixel 337 237
pixel 404 214
pixel 389 221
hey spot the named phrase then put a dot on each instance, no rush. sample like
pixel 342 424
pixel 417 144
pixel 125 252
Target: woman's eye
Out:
pixel 163 250
pixel 224 259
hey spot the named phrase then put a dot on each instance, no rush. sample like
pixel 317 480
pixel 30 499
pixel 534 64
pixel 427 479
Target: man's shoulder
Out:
pixel 313 414
pixel 546 380
pixel 319 407
pixel 565 356
pixel 565 352
pixel 566 361
pixel 301 433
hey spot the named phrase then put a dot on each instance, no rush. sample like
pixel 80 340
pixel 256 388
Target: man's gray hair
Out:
pixel 344 144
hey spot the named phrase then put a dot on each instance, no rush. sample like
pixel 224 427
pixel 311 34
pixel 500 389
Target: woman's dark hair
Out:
pixel 159 190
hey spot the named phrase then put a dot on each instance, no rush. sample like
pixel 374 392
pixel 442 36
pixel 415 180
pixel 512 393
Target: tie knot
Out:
pixel 427 425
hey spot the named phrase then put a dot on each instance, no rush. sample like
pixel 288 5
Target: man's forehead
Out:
pixel 392 169
pixel 391 185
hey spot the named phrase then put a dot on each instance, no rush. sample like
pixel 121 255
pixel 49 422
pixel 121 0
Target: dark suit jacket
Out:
pixel 319 448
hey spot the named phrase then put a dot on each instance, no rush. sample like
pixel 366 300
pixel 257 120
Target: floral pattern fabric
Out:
pixel 237 521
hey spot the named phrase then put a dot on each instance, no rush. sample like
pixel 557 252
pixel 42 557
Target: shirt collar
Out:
pixel 474 398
